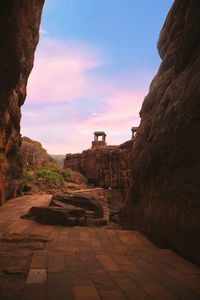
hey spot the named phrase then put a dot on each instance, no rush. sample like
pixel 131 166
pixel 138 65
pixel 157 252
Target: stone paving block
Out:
pixel 39 262
pixel 86 292
pixel 108 263
pixel 129 287
pixel 55 263
pixel 102 280
pixel 59 286
pixel 113 295
pixel 36 276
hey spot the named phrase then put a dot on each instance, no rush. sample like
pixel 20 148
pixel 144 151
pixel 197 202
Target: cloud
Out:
pixel 59 71
pixel 68 98
pixel 43 31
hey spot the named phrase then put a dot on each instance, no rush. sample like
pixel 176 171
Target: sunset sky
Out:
pixel 93 66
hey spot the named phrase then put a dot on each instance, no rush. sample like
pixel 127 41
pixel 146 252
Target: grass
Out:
pixel 50 176
pixel 51 172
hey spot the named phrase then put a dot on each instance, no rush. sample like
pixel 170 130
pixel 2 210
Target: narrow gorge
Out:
pixel 156 175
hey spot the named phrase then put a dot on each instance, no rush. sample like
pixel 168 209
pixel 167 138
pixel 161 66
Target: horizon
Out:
pixel 93 67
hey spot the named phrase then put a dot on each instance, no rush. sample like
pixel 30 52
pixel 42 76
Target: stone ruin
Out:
pixel 134 131
pixel 99 143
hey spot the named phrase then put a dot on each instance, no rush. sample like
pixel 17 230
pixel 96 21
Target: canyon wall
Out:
pixel 164 198
pixel 19 33
pixel 34 156
pixel 106 167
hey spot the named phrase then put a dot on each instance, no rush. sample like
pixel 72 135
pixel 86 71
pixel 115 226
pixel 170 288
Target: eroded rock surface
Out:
pixel 87 207
pixel 164 198
pixel 109 166
pixel 33 154
pixel 19 32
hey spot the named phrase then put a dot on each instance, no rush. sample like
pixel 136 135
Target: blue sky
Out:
pixel 93 67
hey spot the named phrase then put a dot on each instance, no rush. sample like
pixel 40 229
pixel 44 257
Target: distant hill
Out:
pixel 59 158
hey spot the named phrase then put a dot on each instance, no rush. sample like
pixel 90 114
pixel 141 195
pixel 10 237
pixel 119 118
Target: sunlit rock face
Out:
pixel 107 167
pixel 19 33
pixel 33 155
pixel 164 198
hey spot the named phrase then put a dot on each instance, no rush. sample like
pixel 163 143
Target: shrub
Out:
pixel 50 176
pixel 66 174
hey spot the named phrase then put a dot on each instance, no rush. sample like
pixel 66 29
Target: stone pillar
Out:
pixel 134 130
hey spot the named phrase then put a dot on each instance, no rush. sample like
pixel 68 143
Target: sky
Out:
pixel 93 66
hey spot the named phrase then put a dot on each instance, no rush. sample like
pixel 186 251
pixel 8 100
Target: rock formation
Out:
pixel 87 207
pixel 164 198
pixel 33 154
pixel 19 28
pixel 106 167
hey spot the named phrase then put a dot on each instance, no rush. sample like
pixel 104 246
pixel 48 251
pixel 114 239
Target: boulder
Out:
pixel 78 200
pixel 57 215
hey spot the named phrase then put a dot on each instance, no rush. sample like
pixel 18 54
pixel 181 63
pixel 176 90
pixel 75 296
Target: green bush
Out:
pixel 66 174
pixel 50 176
pixel 50 173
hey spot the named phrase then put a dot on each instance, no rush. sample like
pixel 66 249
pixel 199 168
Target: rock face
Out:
pixel 164 198
pixel 105 167
pixel 19 28
pixel 33 154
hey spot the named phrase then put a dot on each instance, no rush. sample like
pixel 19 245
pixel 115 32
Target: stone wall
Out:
pixel 19 32
pixel 164 198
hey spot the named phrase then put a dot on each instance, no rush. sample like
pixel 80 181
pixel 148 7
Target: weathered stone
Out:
pixel 77 199
pixel 105 167
pixel 164 198
pixel 57 216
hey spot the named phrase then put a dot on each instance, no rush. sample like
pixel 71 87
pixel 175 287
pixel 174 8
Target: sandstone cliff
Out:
pixel 164 198
pixel 106 167
pixel 19 28
pixel 33 154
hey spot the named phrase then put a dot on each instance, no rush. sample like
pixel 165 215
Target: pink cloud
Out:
pixel 120 114
pixel 59 71
pixel 53 115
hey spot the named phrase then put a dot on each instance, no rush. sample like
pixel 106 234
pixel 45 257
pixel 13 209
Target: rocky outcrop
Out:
pixel 33 154
pixel 106 167
pixel 87 207
pixel 19 28
pixel 78 200
pixel 164 198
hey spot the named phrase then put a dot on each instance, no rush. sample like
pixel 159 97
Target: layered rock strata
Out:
pixel 164 198
pixel 108 166
pixel 19 32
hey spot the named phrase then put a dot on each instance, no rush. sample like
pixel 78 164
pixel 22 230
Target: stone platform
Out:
pixel 51 262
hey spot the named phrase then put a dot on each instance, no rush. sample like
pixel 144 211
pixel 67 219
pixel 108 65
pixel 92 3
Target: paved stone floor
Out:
pixel 86 263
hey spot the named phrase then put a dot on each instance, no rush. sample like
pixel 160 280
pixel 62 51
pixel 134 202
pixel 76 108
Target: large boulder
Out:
pixel 70 216
pixel 78 200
